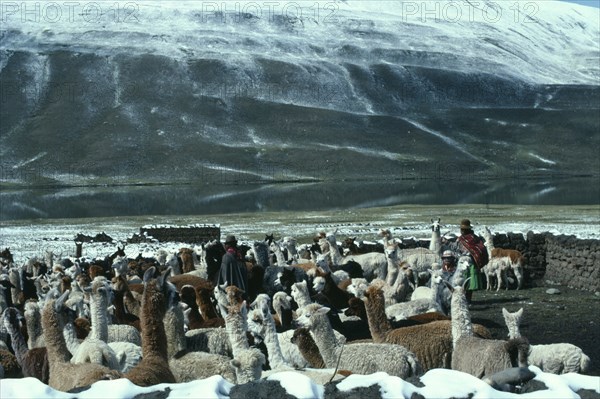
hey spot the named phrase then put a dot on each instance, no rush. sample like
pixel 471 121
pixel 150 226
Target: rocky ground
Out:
pixel 571 316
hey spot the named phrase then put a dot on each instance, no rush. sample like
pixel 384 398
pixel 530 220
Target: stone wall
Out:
pixel 564 260
pixel 573 262
pixel 187 234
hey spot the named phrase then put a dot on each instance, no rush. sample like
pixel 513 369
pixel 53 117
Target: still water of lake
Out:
pixel 86 202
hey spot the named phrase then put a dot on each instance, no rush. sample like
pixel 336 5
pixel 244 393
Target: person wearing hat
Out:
pixel 471 245
pixel 233 269
pixel 448 263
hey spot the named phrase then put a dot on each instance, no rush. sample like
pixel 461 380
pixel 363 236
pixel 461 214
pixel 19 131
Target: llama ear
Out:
pixel 520 312
pixel 163 278
pixel 149 274
pixel 61 300
pixel 505 312
pixel 322 310
pixel 439 220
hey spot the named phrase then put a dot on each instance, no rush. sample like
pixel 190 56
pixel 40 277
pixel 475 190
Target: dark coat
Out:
pixel 233 271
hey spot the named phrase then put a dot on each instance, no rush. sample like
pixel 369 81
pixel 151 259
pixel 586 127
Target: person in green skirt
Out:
pixel 470 244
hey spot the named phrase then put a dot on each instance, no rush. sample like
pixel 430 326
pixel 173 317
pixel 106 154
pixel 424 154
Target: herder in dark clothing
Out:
pixel 233 268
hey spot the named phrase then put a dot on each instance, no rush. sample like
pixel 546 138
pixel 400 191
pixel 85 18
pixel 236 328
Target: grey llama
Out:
pixel 361 358
pixel 476 356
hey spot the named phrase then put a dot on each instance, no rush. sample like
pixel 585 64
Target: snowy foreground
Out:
pixel 439 383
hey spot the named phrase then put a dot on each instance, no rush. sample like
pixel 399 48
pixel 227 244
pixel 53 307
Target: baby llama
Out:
pixel 558 358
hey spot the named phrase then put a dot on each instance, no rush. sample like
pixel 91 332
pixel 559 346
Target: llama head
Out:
pixel 463 263
pixel 159 290
pixel 11 319
pixel 310 315
pixel 256 324
pixel 269 238
pixel 298 289
pixel 282 300
pixel 299 333
pixel 358 287
pixel 234 294
pixel 101 289
pixel 391 251
pixel 287 278
pixel 187 294
pixel 322 260
pixel 262 301
pixel 513 321
pixel 248 365
pixel 356 307
pixel 373 293
pixel 319 283
pixel 64 313
pixel 435 225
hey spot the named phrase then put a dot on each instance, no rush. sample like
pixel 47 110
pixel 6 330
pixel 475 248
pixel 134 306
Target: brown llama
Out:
pixel 308 347
pixel 430 342
pixel 158 296
pixel 64 375
pixel 195 316
pixel 122 287
pixel 189 279
pixel 122 316
pixel 187 259
pixel 33 362
pixel 207 309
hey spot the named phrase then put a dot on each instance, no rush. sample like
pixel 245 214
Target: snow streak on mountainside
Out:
pixel 153 91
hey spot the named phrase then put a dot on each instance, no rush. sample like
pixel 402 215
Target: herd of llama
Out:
pixel 326 309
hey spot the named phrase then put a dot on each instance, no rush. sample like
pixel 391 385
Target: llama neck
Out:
pixel 436 242
pixel 206 308
pixel 272 343
pixel 512 322
pixel 154 339
pixel 291 250
pixel 513 332
pixel 99 316
pixel 173 322
pixel 379 325
pixel 325 340
pixel 70 337
pixel 18 342
pixel 15 293
pixel 392 271
pixel 194 316
pixel 310 351
pixel 55 342
pixel 489 243
pixel 119 306
pixel 461 318
pixel 285 316
pixel 279 255
pixel 436 294
pixel 302 298
pixel 235 326
pixel 334 252
pixel 33 321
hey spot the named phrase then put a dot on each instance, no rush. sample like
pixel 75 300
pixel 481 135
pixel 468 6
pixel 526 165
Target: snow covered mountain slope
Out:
pixel 153 91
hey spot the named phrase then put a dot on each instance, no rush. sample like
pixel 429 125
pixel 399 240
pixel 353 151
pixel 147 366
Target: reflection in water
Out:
pixel 218 199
